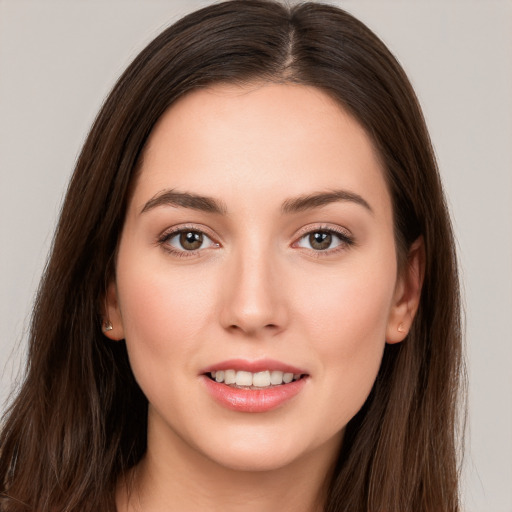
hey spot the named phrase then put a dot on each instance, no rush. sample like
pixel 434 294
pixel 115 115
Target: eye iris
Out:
pixel 320 240
pixel 191 240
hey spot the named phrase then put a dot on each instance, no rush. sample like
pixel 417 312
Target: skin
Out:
pixel 255 289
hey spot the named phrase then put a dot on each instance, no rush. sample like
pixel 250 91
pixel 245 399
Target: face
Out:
pixel 257 249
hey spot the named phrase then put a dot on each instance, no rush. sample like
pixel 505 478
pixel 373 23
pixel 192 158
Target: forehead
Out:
pixel 228 140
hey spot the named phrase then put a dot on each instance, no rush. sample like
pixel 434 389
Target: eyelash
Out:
pixel 164 239
pixel 345 240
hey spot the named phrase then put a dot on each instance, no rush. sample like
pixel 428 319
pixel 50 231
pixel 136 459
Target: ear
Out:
pixel 112 315
pixel 407 294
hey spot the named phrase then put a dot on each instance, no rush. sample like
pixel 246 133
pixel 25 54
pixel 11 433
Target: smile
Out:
pixel 253 386
pixel 248 380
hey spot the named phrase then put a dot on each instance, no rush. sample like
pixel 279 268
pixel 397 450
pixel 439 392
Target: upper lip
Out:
pixel 259 365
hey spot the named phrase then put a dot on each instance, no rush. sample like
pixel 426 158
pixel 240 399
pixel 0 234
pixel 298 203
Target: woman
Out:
pixel 252 299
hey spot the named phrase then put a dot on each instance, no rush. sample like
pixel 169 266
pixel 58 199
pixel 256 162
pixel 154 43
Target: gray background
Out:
pixel 58 60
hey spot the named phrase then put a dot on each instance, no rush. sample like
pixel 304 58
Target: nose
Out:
pixel 254 296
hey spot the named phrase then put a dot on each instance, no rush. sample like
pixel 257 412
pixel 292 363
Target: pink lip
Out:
pixel 253 366
pixel 252 400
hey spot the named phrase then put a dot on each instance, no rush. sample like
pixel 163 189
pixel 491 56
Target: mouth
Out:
pixel 241 379
pixel 253 386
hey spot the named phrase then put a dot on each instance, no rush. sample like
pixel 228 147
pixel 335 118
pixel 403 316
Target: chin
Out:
pixel 255 460
pixel 260 452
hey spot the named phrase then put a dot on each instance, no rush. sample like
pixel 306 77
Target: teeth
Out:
pixel 261 379
pixel 276 377
pixel 229 377
pixel 243 378
pixel 287 377
pixel 257 380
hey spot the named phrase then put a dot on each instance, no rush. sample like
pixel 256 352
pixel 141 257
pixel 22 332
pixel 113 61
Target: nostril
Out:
pixel 250 330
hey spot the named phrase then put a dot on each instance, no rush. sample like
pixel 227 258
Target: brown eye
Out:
pixel 184 241
pixel 320 240
pixel 326 240
pixel 191 240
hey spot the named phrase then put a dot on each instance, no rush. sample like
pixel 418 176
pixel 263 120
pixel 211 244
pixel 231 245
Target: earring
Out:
pixel 107 326
pixel 401 328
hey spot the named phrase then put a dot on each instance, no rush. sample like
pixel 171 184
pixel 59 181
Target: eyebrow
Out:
pixel 185 200
pixel 317 200
pixel 211 205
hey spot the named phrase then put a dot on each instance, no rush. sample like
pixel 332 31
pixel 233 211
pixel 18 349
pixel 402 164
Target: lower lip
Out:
pixel 253 400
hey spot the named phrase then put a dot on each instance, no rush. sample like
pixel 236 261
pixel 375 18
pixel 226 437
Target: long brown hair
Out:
pixel 79 420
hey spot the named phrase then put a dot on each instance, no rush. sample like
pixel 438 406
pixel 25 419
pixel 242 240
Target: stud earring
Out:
pixel 107 326
pixel 401 328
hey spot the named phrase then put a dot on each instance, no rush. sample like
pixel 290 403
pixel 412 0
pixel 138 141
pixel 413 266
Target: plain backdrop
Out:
pixel 58 60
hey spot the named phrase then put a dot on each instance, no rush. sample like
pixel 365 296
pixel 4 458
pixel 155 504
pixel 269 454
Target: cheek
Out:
pixel 162 313
pixel 346 323
pixel 348 310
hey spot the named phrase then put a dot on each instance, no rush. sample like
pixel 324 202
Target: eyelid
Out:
pixel 172 231
pixel 345 236
pixel 333 228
